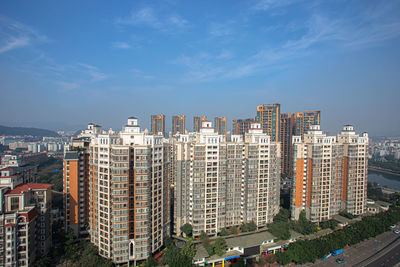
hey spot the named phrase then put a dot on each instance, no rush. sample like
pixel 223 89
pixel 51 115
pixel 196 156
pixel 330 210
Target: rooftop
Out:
pixel 27 187
pixel 71 155
pixel 249 240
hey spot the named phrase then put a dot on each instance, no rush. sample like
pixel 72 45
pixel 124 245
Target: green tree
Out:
pixel 224 232
pixel 188 250
pixel 187 229
pixel 220 246
pixel 204 238
pixel 252 226
pixel 282 216
pixel 210 249
pixel 233 230
pixel 150 262
pixel 244 227
pixel 280 230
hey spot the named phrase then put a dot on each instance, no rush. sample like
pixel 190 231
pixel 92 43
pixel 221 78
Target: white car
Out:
pixel 397 231
pixel 393 226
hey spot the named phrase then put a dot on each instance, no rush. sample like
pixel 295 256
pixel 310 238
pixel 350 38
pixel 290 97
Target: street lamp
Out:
pixel 376 241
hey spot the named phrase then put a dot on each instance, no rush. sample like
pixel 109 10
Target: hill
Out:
pixel 21 131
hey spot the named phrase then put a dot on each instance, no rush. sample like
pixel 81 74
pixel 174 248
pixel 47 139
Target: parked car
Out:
pixel 339 260
pixel 397 231
pixel 393 226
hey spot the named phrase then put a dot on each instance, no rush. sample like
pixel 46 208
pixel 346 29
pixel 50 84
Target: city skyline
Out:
pixel 214 59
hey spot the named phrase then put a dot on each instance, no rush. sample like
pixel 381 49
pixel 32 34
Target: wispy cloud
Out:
pixel 14 34
pixel 92 71
pixel 318 33
pixel 148 17
pixel 272 4
pixel 140 74
pixel 68 86
pixel 222 29
pixel 120 45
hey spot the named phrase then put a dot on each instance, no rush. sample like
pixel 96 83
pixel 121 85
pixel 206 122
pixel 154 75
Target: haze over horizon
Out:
pixel 64 64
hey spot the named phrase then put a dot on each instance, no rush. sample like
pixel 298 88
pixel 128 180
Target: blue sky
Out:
pixel 66 63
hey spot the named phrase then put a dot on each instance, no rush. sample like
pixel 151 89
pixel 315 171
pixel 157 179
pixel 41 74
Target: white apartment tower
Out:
pixel 219 183
pixel 330 174
pixel 128 184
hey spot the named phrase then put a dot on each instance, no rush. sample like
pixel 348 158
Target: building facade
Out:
pixel 178 124
pixel 269 117
pixel 76 186
pixel 219 183
pixel 25 224
pixel 330 174
pixel 128 195
pixel 241 126
pixel 220 125
pixel 197 121
pixel 294 124
pixel 157 124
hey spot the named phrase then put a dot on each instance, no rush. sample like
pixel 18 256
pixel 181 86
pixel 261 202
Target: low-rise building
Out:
pixel 25 223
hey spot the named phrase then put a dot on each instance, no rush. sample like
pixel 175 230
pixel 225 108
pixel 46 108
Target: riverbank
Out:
pixel 382 170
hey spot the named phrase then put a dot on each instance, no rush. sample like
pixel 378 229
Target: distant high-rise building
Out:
pixel 303 121
pixel 330 174
pixel 220 125
pixel 269 117
pixel 241 126
pixel 158 124
pixel 286 133
pixel 76 186
pixel 178 124
pixel 220 183
pixel 197 120
pixel 292 124
pixel 129 193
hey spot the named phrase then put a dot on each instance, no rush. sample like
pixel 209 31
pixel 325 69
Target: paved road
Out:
pixel 389 259
pixel 359 252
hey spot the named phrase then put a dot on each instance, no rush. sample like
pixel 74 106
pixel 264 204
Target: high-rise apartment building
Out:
pixel 241 126
pixel 286 132
pixel 220 183
pixel 330 174
pixel 25 224
pixel 197 121
pixel 294 124
pixel 269 117
pixel 178 124
pixel 220 125
pixel 304 120
pixel 157 124
pixel 128 199
pixel 76 186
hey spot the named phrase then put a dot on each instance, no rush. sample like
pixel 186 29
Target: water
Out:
pixel 385 180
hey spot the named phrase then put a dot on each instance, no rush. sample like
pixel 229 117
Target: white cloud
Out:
pixel 221 29
pixel 14 34
pixel 140 74
pixel 265 5
pixel 14 42
pixel 68 86
pixel 147 17
pixel 177 21
pixel 120 45
pixel 93 72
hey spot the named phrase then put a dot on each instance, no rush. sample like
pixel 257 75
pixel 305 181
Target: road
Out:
pixel 356 254
pixel 388 259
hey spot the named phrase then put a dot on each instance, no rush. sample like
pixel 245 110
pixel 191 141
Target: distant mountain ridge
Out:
pixel 21 131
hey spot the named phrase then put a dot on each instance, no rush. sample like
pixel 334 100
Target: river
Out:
pixel 385 180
